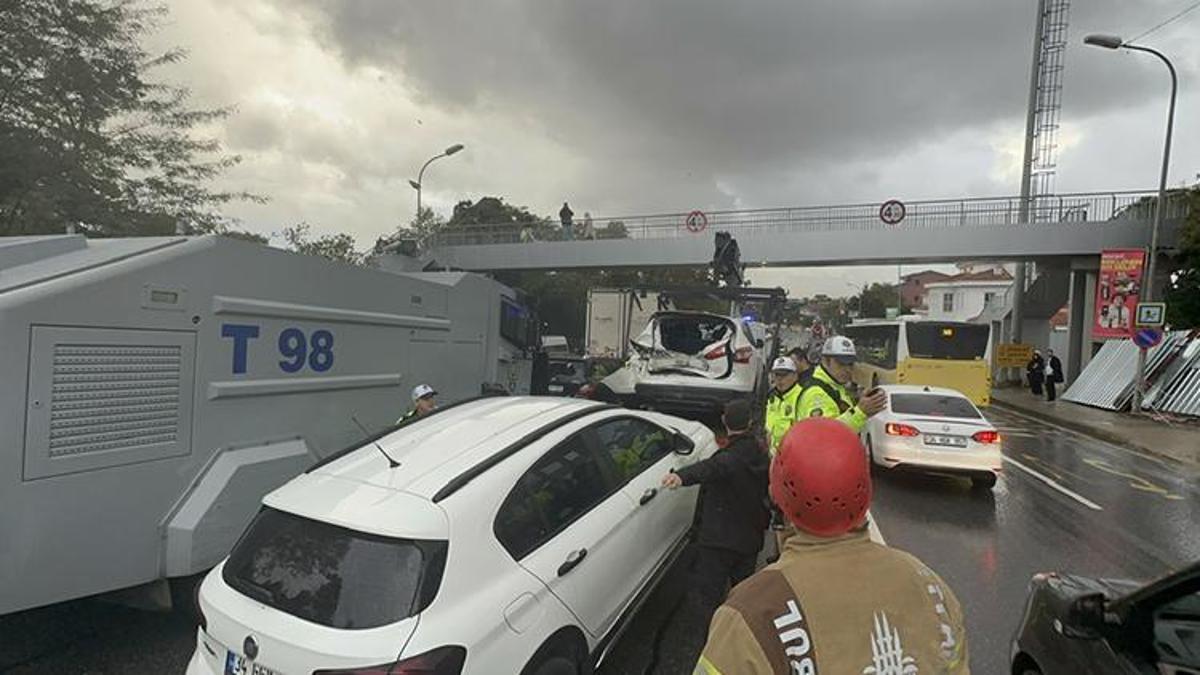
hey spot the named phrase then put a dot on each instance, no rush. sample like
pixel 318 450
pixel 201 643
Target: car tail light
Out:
pixel 718 353
pixel 441 661
pixel 586 391
pixel 989 436
pixel 894 429
pixel 743 355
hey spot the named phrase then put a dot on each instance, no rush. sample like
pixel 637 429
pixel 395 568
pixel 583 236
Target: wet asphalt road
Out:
pixel 1092 508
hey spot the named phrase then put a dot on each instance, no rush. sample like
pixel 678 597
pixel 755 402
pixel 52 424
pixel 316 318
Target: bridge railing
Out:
pixel 930 214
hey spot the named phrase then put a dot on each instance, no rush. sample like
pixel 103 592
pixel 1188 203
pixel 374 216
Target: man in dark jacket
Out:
pixel 1054 375
pixel 1035 370
pixel 732 521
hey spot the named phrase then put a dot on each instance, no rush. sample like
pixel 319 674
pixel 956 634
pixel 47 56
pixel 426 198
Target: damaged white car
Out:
pixel 688 362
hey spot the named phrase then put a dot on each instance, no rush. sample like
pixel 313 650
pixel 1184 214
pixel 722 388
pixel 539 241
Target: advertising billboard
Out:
pixel 1117 290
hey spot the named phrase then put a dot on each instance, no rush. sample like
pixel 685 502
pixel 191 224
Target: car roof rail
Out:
pixel 394 427
pixel 461 480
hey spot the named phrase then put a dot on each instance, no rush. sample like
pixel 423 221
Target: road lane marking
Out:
pixel 1136 482
pixel 1049 481
pixel 873 530
pixel 1034 459
pixel 1099 441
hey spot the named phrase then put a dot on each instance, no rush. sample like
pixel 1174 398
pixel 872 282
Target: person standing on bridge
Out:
pixel 589 229
pixel 835 602
pixel 565 214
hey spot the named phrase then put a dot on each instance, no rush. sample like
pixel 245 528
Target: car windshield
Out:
pixel 331 575
pixel 934 405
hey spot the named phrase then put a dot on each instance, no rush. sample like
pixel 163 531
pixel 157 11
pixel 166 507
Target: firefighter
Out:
pixel 835 602
pixel 825 393
pixel 781 402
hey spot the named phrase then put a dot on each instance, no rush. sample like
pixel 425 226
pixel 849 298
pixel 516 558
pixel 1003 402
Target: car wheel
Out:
pixel 985 483
pixel 557 665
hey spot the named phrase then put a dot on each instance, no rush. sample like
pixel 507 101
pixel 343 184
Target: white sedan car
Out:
pixel 498 535
pixel 934 430
pixel 689 361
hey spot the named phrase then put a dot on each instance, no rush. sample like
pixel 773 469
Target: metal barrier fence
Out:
pixel 931 214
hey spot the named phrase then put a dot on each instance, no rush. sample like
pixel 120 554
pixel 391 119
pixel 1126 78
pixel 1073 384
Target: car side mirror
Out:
pixel 681 444
pixel 1085 618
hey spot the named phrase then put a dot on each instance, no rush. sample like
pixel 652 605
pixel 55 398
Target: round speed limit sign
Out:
pixel 892 212
pixel 696 221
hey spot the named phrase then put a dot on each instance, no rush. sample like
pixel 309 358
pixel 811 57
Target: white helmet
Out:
pixel 841 348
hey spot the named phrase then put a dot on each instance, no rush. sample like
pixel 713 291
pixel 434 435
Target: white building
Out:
pixel 963 297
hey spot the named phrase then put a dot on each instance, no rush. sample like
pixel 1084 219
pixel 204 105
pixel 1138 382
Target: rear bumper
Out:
pixel 902 456
pixel 679 397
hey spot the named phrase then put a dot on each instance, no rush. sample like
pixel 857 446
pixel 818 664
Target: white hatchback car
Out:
pixel 688 361
pixel 498 535
pixel 934 430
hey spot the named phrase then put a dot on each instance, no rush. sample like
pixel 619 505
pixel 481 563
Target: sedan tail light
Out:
pixel 441 661
pixel 743 355
pixel 586 391
pixel 988 436
pixel 894 429
pixel 717 353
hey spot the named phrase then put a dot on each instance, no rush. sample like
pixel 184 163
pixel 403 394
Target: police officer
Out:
pixel 825 393
pixel 810 612
pixel 424 402
pixel 782 401
pixel 803 365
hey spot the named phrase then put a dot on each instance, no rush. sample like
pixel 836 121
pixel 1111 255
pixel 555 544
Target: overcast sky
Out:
pixel 628 106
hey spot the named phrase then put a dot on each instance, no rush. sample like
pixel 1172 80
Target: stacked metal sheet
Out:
pixel 1107 381
pixel 1177 390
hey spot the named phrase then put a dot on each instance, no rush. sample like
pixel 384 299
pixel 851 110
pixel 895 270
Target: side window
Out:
pixel 633 444
pixel 561 487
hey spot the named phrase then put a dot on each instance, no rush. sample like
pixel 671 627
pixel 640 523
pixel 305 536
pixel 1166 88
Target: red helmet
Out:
pixel 820 479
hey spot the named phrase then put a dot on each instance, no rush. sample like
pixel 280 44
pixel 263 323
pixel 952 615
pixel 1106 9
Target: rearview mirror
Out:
pixel 1085 618
pixel 681 444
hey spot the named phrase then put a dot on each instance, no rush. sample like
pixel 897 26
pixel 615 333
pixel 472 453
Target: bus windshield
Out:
pixel 949 341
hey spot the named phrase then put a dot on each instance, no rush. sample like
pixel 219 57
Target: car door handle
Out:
pixel 647 496
pixel 572 562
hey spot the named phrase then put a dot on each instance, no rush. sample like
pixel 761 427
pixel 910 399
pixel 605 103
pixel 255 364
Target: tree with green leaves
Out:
pixel 1183 290
pixel 339 247
pixel 88 138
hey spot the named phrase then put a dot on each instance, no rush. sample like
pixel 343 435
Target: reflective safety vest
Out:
pixel 824 396
pixel 782 413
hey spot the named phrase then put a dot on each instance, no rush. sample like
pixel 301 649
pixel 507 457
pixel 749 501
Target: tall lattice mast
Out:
pixel 1047 102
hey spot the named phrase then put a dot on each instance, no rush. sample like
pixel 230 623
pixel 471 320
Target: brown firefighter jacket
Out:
pixel 838 606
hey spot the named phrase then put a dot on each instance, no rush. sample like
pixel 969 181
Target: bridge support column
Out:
pixel 1078 327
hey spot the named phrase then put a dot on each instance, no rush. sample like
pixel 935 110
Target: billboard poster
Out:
pixel 1117 290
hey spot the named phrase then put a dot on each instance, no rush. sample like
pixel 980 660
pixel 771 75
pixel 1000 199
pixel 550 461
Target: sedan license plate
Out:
pixel 947 441
pixel 236 664
pixel 556 388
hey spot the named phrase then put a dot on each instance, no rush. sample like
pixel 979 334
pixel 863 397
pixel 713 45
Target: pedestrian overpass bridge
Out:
pixel 935 231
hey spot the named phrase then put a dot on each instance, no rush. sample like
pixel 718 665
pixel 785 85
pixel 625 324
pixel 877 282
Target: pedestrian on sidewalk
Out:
pixel 1054 375
pixel 565 214
pixel 1035 370
pixel 733 515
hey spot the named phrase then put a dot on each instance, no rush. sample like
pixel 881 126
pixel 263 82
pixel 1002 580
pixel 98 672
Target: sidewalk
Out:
pixel 1180 442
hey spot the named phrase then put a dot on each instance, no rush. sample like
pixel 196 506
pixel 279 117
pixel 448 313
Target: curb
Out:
pixel 1091 432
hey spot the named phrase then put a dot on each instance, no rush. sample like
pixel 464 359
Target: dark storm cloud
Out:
pixel 728 85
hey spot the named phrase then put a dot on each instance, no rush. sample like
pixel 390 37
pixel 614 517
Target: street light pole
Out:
pixel 416 184
pixel 1114 42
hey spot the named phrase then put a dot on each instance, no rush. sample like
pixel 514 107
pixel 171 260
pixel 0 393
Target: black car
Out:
pixel 1076 624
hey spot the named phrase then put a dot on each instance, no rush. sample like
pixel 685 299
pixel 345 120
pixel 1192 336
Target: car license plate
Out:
pixel 236 664
pixel 948 441
pixel 556 388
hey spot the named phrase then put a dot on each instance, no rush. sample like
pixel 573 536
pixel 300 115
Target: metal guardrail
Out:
pixel 930 214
